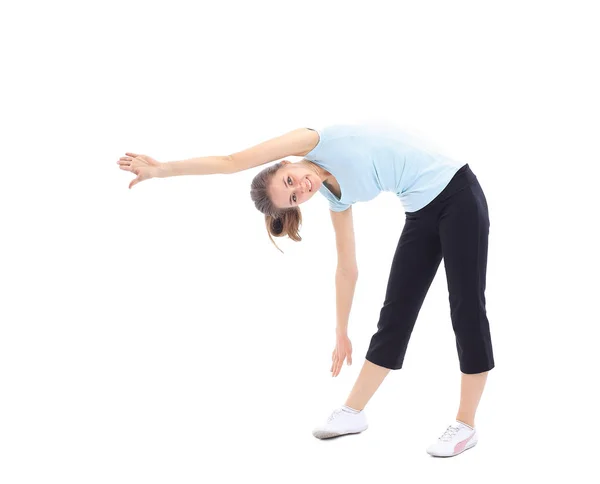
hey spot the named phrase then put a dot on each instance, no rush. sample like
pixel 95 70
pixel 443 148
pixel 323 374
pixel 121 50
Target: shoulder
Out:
pixel 335 134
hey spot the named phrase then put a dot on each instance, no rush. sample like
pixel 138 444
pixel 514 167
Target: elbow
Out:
pixel 229 165
pixel 349 272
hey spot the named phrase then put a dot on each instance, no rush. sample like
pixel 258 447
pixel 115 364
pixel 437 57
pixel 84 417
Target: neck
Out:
pixel 320 172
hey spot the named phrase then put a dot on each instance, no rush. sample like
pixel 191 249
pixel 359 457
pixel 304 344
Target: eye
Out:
pixel 294 195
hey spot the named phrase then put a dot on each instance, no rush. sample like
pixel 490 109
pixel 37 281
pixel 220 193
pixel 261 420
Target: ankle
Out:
pixel 467 420
pixel 357 408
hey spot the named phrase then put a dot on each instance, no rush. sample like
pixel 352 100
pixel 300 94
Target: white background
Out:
pixel 155 335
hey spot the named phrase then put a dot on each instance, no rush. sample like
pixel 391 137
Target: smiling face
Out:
pixel 295 183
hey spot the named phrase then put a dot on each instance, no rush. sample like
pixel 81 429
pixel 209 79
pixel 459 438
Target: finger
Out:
pixel 134 182
pixel 141 157
pixel 349 358
pixel 338 364
pixel 338 367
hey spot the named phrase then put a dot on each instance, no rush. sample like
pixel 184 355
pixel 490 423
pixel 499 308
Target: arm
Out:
pixel 344 293
pixel 206 165
pixel 346 273
pixel 294 143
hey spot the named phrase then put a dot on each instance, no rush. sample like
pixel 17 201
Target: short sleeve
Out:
pixel 338 206
pixel 312 154
pixel 323 150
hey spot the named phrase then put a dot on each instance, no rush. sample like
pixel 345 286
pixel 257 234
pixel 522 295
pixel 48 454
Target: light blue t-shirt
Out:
pixel 366 160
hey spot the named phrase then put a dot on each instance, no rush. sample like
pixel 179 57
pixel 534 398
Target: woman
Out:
pixel 446 215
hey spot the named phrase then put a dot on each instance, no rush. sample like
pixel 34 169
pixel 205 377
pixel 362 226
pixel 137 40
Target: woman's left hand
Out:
pixel 144 166
pixel 341 352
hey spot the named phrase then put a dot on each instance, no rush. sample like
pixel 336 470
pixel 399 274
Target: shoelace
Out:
pixel 449 433
pixel 334 414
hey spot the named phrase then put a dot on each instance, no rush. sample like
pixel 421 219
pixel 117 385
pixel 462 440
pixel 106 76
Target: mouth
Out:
pixel 308 184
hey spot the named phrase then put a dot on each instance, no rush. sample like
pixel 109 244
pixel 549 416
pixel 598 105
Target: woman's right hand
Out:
pixel 341 352
pixel 143 166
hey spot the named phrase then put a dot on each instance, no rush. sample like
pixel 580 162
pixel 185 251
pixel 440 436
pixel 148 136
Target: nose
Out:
pixel 303 187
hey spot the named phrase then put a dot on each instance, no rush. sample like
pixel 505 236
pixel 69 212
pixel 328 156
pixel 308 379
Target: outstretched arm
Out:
pixel 294 143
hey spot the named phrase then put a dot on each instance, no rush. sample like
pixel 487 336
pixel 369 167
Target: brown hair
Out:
pixel 279 221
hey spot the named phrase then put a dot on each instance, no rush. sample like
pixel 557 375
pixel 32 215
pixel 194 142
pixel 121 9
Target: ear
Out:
pixel 286 162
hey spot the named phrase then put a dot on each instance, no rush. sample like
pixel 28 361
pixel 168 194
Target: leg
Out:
pixel 471 389
pixel 464 227
pixel 366 385
pixel 417 258
pixel 416 261
pixel 461 435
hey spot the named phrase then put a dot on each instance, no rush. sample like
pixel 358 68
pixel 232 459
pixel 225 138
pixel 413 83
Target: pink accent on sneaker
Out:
pixel 458 448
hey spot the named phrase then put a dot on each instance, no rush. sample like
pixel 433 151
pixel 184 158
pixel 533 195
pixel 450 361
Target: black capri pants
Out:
pixel 455 226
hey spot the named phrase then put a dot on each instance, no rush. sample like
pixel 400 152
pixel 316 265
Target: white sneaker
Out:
pixel 457 438
pixel 341 422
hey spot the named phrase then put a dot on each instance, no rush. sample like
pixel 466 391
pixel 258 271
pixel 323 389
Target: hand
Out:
pixel 341 352
pixel 143 166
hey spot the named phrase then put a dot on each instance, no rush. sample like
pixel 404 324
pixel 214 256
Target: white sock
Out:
pixel 349 409
pixel 468 426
